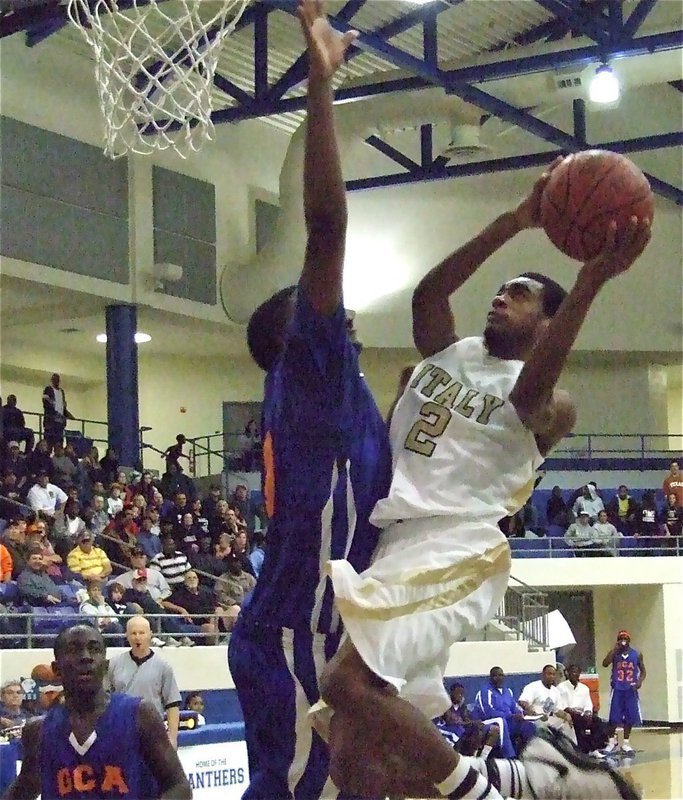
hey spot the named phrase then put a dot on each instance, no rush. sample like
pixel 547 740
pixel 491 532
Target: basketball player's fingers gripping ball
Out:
pixel 588 191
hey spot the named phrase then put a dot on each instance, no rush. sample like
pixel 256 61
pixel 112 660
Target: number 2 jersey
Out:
pixel 458 445
pixel 625 669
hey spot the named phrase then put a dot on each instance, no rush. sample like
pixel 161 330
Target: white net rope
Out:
pixel 155 65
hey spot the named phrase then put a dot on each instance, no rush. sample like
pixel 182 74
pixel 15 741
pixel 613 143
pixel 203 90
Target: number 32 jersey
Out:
pixel 625 669
pixel 458 445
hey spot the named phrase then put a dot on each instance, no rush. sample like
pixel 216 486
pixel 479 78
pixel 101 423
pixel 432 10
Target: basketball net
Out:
pixel 155 72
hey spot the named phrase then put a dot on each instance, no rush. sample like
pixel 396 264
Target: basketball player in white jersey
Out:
pixel 475 421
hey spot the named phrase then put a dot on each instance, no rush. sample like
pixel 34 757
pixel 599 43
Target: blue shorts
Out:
pixel 276 672
pixel 624 708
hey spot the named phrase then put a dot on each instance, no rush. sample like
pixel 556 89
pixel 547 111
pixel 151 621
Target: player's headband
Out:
pixel 623 635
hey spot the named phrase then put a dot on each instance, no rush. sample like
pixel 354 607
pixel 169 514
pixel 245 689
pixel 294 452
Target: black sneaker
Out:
pixel 578 776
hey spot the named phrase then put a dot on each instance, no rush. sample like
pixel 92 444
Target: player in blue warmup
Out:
pixel 96 746
pixel 628 674
pixel 326 463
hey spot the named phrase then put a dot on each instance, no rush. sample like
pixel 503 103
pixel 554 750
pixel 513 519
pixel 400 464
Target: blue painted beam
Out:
pixel 579 112
pixel 350 9
pixel 577 20
pixel 230 88
pixel 391 152
pixel 430 42
pixel 439 170
pixel 426 145
pixel 25 18
pixel 637 17
pixel 261 51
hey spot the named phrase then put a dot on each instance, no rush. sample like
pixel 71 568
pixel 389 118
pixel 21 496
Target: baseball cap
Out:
pixel 140 575
pixel 584 514
pixel 85 536
pixel 12 444
pixel 137 551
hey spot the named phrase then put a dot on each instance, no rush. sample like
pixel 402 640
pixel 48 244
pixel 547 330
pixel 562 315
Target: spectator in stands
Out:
pixel 541 699
pixel 147 540
pixel 44 497
pixel 206 561
pixel 672 516
pixel 11 699
pixel 233 587
pixel 88 561
pixel 199 603
pixel 473 736
pixel 63 468
pixel 249 444
pixel 142 673
pixel 55 411
pixel 17 463
pixel 240 550
pixel 580 536
pixel 223 547
pixel 200 519
pixel 39 460
pixel 223 521
pixel 210 501
pixel 146 487
pixel 649 528
pixel 173 481
pixel 114 595
pixel 674 483
pixel 241 502
pixel 9 488
pixel 100 518
pixel 109 465
pixel 495 702
pixel 69 525
pixel 258 553
pixel 37 535
pixel 575 699
pixel 557 510
pixel 36 587
pixel 589 501
pixel 195 702
pixel 83 480
pixel 187 535
pixel 96 607
pixel 173 510
pixel 174 452
pixel 5 564
pixel 623 511
pixel 171 562
pixel 138 593
pixel 114 501
pixel 14 424
pixel 606 535
pixel 14 539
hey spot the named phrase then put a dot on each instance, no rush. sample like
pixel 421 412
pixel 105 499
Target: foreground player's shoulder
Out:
pixel 555 421
pixel 27 784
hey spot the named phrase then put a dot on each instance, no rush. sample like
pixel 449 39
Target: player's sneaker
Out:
pixel 627 750
pixel 611 750
pixel 575 776
pixel 597 754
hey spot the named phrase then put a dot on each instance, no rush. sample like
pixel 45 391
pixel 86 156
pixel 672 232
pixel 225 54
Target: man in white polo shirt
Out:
pixel 542 699
pixel 143 673
pixel 44 497
pixel 575 699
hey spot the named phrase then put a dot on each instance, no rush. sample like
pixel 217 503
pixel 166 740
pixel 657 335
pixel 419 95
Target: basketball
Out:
pixel 42 673
pixel 585 193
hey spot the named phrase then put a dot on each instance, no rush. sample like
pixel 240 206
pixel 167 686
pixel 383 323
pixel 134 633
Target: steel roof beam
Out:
pixel 438 171
pixel 637 17
pixel 578 20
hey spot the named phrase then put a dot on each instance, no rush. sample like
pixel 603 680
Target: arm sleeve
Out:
pixel 170 693
pixel 484 705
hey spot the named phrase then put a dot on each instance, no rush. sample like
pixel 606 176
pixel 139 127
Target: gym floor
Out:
pixel 657 768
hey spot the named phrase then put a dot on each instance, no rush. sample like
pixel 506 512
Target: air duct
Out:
pixel 243 287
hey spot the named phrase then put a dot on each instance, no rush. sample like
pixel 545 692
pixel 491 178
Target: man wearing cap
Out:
pixel 14 539
pixel 581 537
pixel 88 561
pixel 44 497
pixel 628 674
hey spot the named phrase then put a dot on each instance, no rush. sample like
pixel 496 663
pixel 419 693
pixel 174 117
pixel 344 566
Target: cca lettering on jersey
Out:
pixel 83 779
pixel 437 385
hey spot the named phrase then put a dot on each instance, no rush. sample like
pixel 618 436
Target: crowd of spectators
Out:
pixel 86 535
pixel 593 521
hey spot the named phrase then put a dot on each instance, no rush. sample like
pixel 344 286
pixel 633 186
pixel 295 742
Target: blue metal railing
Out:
pixel 624 547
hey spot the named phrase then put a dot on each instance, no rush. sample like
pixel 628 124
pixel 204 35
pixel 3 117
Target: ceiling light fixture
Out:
pixel 604 87
pixel 140 338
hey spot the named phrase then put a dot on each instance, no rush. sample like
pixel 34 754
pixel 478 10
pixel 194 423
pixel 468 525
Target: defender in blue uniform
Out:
pixel 326 463
pixel 628 674
pixel 96 746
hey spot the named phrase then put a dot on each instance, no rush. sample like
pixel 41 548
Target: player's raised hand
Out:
pixel 528 212
pixel 620 250
pixel 326 47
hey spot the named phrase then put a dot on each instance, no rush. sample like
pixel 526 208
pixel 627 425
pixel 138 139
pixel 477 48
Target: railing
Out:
pixel 591 449
pixel 91 428
pixel 626 546
pixel 524 611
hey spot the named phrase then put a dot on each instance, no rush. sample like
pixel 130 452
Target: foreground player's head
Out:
pixel 520 312
pixel 267 326
pixel 80 660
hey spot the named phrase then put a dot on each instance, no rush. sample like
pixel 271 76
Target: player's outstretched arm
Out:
pixel 160 756
pixel 548 413
pixel 26 786
pixel 324 190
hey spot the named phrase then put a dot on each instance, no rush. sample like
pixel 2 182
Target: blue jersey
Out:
pixel 326 463
pixel 625 669
pixel 110 766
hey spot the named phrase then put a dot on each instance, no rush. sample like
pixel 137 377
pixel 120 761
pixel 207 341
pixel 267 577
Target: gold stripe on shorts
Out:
pixel 468 575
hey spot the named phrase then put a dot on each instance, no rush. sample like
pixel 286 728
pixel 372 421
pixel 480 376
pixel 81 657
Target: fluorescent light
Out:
pixel 604 88
pixel 140 338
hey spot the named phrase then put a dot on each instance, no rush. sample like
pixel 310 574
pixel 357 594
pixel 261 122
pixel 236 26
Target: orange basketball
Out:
pixel 42 673
pixel 585 193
